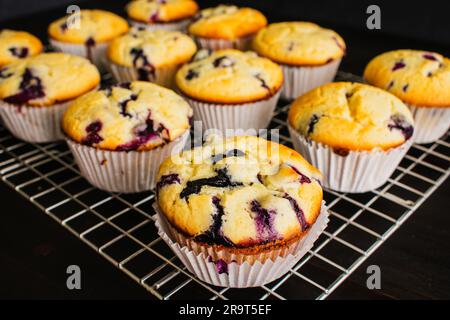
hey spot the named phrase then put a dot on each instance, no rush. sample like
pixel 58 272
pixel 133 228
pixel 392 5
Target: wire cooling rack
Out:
pixel 120 226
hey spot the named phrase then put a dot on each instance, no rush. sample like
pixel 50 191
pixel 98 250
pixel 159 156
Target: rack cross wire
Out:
pixel 120 226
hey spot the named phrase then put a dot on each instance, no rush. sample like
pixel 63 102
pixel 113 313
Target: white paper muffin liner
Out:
pixel 357 172
pixel 253 115
pixel 243 43
pixel 429 123
pixel 170 26
pixel 96 53
pixel 121 171
pixel 162 76
pixel 301 79
pixel 34 124
pixel 204 267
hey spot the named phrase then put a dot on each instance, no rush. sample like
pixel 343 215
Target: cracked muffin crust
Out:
pixel 150 49
pixel 242 193
pixel 227 22
pixel 299 43
pixel 419 78
pixel 95 26
pixel 352 116
pixel 160 11
pixel 133 116
pixel 16 45
pixel 229 77
pixel 47 79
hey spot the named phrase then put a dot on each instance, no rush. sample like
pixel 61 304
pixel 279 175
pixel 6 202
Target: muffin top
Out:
pixel 47 79
pixel 152 11
pixel 132 116
pixel 95 26
pixel 419 78
pixel 299 43
pixel 227 22
pixel 239 192
pixel 229 76
pixel 16 45
pixel 351 116
pixel 155 48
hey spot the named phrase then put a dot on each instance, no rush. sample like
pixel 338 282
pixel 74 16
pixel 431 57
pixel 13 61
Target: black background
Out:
pixel 415 261
pixel 424 20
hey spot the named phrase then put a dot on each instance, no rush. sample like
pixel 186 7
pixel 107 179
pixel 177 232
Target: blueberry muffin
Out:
pixel 120 135
pixel 16 45
pixel 34 92
pixel 231 89
pixel 89 36
pixel 149 55
pixel 226 26
pixel 242 198
pixel 421 79
pixel 354 133
pixel 162 14
pixel 309 54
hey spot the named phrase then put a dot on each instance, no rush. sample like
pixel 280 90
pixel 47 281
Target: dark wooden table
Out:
pixel 35 251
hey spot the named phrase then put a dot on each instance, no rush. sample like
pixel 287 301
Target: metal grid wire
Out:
pixel 120 226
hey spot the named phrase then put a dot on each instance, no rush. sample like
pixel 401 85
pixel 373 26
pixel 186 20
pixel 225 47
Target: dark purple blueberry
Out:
pixel 64 26
pixel 398 65
pixel 303 178
pixel 341 152
pixel 263 82
pixel 429 74
pixel 228 154
pixel 144 134
pixel 31 88
pixel 146 71
pixel 154 17
pixel 290 46
pixel 398 122
pixel 260 179
pixel 264 222
pixel 90 42
pixel 312 123
pixel 21 52
pixel 223 62
pixel 191 74
pixel 3 74
pixel 221 180
pixel 429 56
pixel 221 265
pixel 214 235
pixel 339 44
pixel 125 85
pixel 298 211
pixel 92 134
pixel 123 105
pixel 167 180
pixel 405 87
pixel 390 85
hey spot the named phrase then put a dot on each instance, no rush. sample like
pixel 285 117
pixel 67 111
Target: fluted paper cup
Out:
pixel 95 53
pixel 34 124
pixel 235 274
pixel 161 76
pixel 243 43
pixel 170 26
pixel 355 171
pixel 121 171
pixel 253 115
pixel 301 79
pixel 429 123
